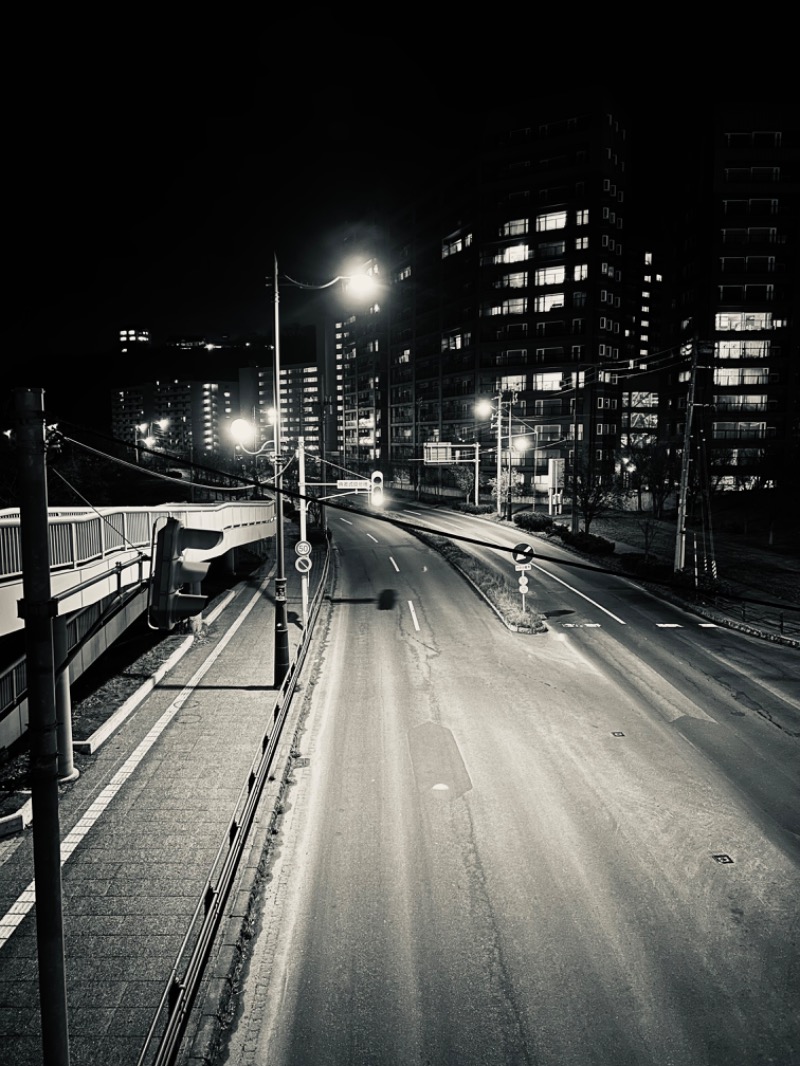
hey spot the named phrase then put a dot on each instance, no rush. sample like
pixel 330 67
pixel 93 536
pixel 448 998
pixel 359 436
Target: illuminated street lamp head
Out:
pixel 483 409
pixel 243 432
pixel 361 286
pixel 521 444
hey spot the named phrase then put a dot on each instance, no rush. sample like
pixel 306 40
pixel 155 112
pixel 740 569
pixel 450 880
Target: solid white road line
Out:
pixel 588 599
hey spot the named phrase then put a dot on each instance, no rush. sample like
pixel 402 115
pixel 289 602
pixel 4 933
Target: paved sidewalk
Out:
pixel 140 830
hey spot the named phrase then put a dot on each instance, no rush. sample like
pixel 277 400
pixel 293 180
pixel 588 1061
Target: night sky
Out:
pixel 151 189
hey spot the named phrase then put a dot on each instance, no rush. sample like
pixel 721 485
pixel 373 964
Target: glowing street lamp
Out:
pixel 358 283
pixel 145 435
pixel 484 408
pixel 243 431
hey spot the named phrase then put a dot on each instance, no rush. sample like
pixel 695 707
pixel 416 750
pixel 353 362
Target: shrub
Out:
pixel 532 522
pixel 586 542
pixel 472 508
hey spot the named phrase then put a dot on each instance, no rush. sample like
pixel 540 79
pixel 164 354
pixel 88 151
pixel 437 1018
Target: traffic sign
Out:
pixel 523 583
pixel 524 566
pixel 361 483
pixel 523 553
pixel 303 547
pixel 303 563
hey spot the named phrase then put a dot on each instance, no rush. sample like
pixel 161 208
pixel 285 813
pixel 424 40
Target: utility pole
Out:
pixel 38 609
pixel 281 649
pixel 499 452
pixel 575 425
pixel 680 530
pixel 508 483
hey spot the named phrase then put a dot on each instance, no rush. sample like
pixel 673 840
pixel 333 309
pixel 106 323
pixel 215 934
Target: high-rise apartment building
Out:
pixel 740 304
pixel 598 323
pixel 510 283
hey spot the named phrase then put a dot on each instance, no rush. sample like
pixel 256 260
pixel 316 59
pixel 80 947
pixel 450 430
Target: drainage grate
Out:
pixel 617 734
pixel 722 858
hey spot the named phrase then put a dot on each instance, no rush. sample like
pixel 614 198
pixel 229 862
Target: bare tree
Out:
pixel 596 495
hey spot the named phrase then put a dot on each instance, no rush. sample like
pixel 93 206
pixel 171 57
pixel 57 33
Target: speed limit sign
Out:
pixel 523 583
pixel 302 547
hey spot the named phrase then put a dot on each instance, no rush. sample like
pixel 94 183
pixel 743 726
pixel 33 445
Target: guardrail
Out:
pixel 79 537
pixel 84 538
pixel 172 1014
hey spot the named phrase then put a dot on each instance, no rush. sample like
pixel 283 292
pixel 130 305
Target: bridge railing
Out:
pixel 78 537
pixel 81 537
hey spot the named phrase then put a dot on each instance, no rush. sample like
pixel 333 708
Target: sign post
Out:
pixel 522 555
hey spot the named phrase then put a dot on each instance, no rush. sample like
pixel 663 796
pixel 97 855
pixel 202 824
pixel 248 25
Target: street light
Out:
pixel 242 430
pixel 484 408
pixel 146 438
pixel 359 283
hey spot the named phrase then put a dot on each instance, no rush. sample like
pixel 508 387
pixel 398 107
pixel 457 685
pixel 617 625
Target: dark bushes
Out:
pixel 584 542
pixel 471 508
pixel 534 523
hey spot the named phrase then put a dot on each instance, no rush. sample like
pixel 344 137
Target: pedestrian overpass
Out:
pixel 97 555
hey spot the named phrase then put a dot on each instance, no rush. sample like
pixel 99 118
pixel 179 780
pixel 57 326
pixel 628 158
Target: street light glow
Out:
pixel 243 431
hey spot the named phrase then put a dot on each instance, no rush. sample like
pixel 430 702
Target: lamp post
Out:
pixel 484 407
pixel 242 429
pixel 145 429
pixel 281 623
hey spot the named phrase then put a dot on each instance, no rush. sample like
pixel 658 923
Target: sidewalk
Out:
pixel 140 830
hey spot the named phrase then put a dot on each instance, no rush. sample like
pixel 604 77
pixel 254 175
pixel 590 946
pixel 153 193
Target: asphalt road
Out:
pixel 570 849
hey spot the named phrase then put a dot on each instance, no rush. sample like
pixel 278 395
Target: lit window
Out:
pixel 552 220
pixel 553 275
pixel 514 228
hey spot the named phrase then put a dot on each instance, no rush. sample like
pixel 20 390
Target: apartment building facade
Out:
pixel 528 276
pixel 741 300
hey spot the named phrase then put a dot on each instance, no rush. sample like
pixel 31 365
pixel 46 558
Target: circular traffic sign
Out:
pixel 522 553
pixel 303 564
pixel 303 547
pixel 523 584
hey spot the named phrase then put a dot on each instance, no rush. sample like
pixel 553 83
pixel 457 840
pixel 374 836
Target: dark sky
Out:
pixel 150 188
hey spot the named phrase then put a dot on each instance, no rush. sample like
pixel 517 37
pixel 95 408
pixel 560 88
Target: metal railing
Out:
pixel 172 1015
pixel 80 537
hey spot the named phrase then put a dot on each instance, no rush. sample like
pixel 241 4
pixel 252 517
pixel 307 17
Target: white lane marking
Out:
pixel 372 538
pixel 417 513
pixel 440 788
pixel 346 521
pixel 709 625
pixel 394 564
pixel 413 615
pixel 668 625
pixel 588 599
pixel 25 902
